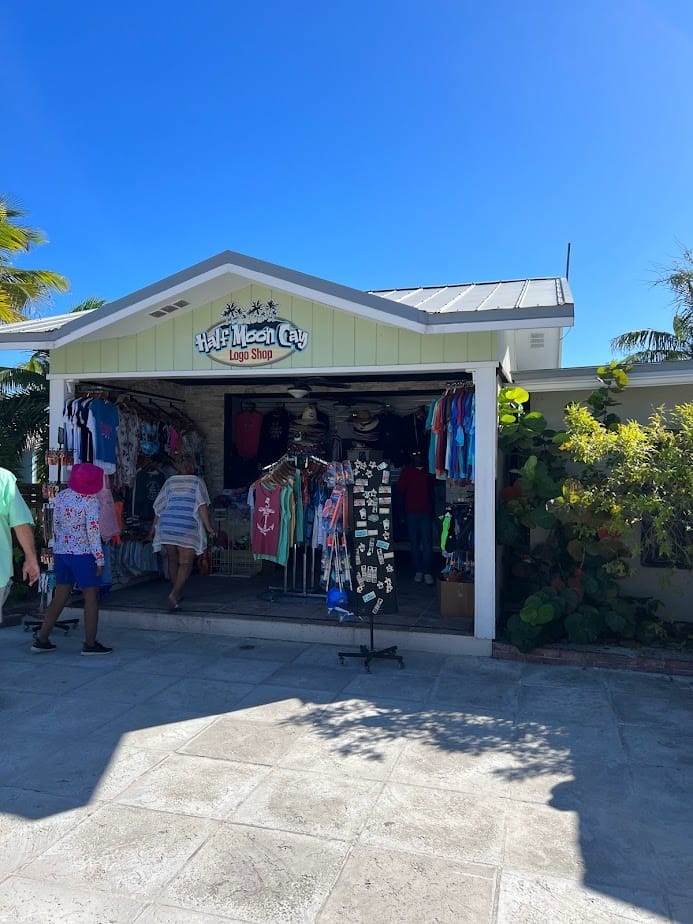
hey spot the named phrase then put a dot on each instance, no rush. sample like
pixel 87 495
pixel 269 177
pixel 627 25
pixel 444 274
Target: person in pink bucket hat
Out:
pixel 78 556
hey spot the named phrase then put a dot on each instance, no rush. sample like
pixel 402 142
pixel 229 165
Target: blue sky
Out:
pixel 375 144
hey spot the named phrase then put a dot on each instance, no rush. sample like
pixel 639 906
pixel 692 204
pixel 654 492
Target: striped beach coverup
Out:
pixel 177 506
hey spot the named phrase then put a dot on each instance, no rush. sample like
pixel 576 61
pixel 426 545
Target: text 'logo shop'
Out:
pixel 252 336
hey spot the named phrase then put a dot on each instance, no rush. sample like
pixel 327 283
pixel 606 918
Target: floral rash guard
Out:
pixel 76 525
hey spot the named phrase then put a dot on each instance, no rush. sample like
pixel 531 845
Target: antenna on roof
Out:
pixel 567 263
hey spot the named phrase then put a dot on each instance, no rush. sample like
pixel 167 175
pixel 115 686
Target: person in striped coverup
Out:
pixel 182 523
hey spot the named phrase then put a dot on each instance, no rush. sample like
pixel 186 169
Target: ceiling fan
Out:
pixel 301 389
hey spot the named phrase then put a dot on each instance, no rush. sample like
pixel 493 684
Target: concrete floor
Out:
pixel 198 779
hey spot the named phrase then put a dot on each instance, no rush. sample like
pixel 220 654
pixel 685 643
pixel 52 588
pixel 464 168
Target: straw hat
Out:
pixel 310 415
pixel 365 422
pixel 85 478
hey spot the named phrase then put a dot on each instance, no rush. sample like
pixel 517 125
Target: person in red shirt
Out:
pixel 416 486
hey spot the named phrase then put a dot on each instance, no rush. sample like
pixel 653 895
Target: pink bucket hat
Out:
pixel 86 478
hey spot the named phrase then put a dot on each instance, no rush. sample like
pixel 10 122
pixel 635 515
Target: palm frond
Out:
pixel 653 346
pixel 22 380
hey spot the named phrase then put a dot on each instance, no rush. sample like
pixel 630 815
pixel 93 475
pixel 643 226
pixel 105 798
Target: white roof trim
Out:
pixel 205 282
pixel 269 372
pixel 584 378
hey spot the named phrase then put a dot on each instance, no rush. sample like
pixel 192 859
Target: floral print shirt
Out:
pixel 76 525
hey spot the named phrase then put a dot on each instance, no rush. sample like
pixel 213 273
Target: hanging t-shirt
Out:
pixel 247 427
pixel 274 434
pixel 148 483
pixel 103 422
pixel 266 520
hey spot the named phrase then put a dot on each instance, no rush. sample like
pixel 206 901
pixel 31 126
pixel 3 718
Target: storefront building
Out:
pixel 234 332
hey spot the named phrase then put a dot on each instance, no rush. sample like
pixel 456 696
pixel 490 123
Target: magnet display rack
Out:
pixel 374 558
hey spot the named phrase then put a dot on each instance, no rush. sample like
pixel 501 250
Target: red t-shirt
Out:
pixel 266 525
pixel 416 485
pixel 247 427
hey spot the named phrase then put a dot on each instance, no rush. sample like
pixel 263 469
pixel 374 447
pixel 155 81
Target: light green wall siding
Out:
pixel 337 339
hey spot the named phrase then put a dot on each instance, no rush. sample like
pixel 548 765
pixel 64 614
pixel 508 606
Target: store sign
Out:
pixel 252 336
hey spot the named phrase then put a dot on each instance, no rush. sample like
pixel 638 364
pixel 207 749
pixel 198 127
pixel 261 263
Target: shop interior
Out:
pixel 257 434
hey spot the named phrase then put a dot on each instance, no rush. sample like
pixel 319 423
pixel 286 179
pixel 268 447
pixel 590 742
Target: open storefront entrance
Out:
pixel 381 418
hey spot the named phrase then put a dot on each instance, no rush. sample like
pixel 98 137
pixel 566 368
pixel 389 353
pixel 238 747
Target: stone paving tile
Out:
pixel 309 803
pixel 309 677
pixel 93 769
pixel 457 826
pixel 664 711
pixel 560 678
pixel 477 770
pixel 191 785
pixel 526 899
pixel 378 884
pixel 654 746
pixel 131 851
pixel 231 666
pixel 167 914
pixel 476 695
pixel 568 743
pixel 251 742
pixel 586 705
pixel 273 875
pixel 154 729
pixel 543 841
pixel 570 787
pixel 363 754
pixel 37 676
pixel 579 798
pixel 267 649
pixel 680 907
pixel 388 681
pixel 119 686
pixel 275 703
pixel 174 662
pixel 30 822
pixel 482 668
pixel 31 902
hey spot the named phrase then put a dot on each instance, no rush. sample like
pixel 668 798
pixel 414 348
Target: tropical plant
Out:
pixel 24 401
pixel 569 519
pixel 653 346
pixel 20 288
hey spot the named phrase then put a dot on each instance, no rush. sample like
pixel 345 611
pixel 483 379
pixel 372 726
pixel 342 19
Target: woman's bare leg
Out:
pixel 53 611
pixel 171 552
pixel 185 563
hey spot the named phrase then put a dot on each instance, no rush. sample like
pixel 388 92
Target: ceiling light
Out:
pixel 298 391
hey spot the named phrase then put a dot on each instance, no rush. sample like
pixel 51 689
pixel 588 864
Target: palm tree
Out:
pixel 20 287
pixel 655 346
pixel 24 401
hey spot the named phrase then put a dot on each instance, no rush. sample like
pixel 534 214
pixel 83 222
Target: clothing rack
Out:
pixel 101 386
pixel 298 461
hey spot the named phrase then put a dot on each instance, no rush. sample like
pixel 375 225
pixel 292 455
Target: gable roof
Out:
pixel 529 303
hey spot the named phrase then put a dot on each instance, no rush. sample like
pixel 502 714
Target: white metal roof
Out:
pixel 41 325
pixel 504 305
pixel 487 296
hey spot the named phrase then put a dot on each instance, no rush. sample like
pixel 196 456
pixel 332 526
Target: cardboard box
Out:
pixel 455 599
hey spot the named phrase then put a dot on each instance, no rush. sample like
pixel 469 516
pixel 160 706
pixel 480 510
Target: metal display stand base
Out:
pixel 372 654
pixel 64 624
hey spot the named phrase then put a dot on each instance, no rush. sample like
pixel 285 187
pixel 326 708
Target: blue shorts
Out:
pixel 76 569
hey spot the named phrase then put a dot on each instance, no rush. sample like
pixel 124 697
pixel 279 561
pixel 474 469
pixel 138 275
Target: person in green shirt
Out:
pixel 15 515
